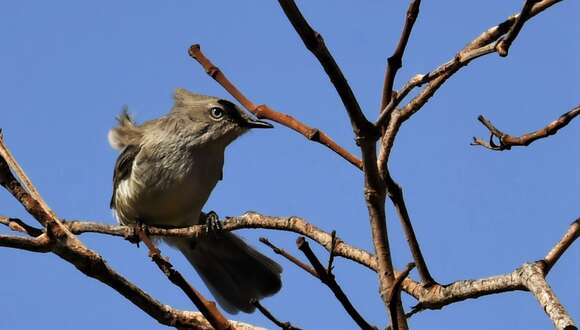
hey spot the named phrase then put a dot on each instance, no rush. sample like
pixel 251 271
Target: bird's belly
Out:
pixel 174 201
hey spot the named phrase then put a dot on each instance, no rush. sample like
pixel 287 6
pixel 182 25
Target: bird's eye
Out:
pixel 216 113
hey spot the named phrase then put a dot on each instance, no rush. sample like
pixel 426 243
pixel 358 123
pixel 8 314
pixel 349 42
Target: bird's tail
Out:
pixel 234 272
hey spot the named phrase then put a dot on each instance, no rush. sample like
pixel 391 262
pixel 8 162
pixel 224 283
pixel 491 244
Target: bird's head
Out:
pixel 215 118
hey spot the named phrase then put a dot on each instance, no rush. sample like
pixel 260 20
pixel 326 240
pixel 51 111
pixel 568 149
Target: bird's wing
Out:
pixel 123 167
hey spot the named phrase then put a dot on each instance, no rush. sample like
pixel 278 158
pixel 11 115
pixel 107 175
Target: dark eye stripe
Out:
pixel 231 111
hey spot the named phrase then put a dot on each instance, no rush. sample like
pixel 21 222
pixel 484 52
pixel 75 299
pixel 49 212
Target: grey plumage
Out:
pixel 165 173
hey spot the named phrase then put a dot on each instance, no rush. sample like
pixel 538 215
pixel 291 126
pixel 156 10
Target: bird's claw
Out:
pixel 212 223
pixel 132 235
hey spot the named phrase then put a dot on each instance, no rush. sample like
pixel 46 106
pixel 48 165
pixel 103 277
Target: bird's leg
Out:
pixel 211 221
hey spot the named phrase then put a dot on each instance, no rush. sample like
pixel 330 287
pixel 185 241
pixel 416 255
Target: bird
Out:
pixel 164 175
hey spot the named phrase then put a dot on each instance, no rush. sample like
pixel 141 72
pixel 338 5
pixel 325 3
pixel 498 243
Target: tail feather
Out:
pixel 234 272
pixel 126 133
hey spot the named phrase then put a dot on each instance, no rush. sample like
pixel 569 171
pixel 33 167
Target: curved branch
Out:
pixel 506 141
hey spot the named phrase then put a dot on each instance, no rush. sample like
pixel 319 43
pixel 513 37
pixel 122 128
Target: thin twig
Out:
pixel 288 256
pixel 331 252
pixel 396 195
pixel 19 225
pixel 264 111
pixel 506 141
pixel 504 45
pixel 269 316
pixel 207 308
pixel 395 61
pixel 329 280
pixel 395 294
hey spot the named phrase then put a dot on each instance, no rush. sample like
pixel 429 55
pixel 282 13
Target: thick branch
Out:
pixel 506 141
pixel 315 43
pixel 264 111
pixel 530 276
pixel 328 279
pixel 533 278
pixel 38 244
pixel 13 164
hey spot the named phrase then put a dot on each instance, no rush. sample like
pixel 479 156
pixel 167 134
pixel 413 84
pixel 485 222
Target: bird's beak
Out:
pixel 255 123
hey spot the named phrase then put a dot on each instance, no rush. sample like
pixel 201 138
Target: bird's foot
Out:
pixel 212 222
pixel 132 234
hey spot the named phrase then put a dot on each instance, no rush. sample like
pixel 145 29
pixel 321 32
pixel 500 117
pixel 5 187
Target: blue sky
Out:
pixel 68 67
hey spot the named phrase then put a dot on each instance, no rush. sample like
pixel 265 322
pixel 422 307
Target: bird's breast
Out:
pixel 171 189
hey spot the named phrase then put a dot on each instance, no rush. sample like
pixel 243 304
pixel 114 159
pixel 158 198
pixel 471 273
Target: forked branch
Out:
pixel 506 141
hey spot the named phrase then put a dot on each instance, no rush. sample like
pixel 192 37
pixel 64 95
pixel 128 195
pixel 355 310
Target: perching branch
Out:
pixel 249 220
pixel 264 111
pixel 506 141
pixel 329 280
pixel 59 240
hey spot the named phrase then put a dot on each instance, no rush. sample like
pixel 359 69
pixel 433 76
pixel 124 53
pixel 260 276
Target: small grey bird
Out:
pixel 163 177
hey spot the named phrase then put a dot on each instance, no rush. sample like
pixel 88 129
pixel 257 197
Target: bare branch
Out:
pixel 556 252
pixel 13 164
pixel 38 244
pixel 504 45
pixel 315 43
pixel 506 141
pixel 395 293
pixel 207 308
pixel 484 44
pixel 329 280
pixel 63 243
pixel 289 257
pixel 264 111
pixel 395 62
pixel 21 226
pixel 249 220
pixel 396 195
pixel 530 276
pixel 269 316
